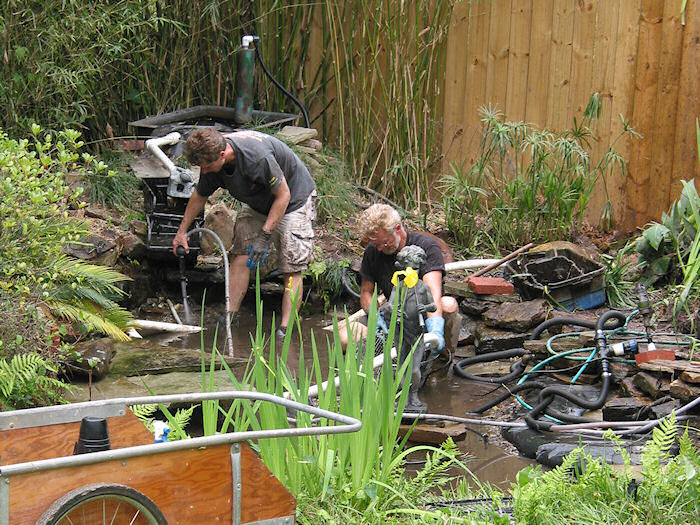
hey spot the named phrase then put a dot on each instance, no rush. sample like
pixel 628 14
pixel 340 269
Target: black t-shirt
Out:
pixel 260 163
pixel 378 267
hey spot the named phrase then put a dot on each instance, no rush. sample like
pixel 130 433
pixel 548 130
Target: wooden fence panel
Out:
pixel 540 60
pixel 685 153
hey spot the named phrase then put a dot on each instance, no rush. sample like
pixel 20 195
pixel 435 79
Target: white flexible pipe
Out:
pixel 469 264
pixel 153 145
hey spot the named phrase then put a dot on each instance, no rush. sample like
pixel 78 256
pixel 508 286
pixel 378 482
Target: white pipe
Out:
pixel 153 145
pixel 313 389
pixel 146 326
pixel 469 264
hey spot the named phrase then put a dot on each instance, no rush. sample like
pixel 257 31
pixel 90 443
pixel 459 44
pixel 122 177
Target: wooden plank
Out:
pixel 623 101
pixel 51 441
pixel 646 85
pixel 581 59
pixel 497 63
pixel 263 497
pixel 475 94
pixel 602 82
pixel 663 138
pixel 201 477
pixel 560 65
pixel 519 53
pixel 685 157
pixel 455 83
pixel 539 64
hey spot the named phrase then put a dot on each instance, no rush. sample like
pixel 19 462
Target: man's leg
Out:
pixel 453 322
pixel 293 289
pixel 238 276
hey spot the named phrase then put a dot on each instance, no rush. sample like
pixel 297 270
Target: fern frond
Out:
pixel 111 322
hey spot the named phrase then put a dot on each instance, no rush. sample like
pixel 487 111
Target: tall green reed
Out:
pixel 387 65
pixel 527 184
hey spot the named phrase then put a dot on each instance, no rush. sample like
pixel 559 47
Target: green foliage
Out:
pixel 29 380
pixel 327 277
pixel 587 490
pixel 34 226
pixel 110 183
pixel 669 251
pixel 528 184
pixel 620 274
pixel 180 419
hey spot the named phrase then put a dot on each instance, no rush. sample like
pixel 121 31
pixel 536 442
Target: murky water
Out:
pixel 444 393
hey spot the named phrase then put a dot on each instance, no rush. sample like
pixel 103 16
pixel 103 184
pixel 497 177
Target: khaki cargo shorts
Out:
pixel 293 237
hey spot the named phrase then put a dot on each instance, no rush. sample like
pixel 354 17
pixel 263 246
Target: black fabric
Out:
pixel 378 267
pixel 260 163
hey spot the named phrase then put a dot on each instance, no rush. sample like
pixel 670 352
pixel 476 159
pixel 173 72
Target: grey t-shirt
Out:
pixel 260 162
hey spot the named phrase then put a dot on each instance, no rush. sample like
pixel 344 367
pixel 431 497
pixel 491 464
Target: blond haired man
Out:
pixel 381 225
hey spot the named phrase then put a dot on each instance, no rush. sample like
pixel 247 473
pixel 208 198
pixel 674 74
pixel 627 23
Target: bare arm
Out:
pixel 194 206
pixel 434 281
pixel 279 206
pixel 366 292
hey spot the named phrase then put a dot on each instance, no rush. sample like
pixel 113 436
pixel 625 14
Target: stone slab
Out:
pixel 296 134
pixel 434 435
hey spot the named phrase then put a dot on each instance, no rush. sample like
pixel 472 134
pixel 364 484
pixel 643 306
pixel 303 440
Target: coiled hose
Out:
pixel 608 321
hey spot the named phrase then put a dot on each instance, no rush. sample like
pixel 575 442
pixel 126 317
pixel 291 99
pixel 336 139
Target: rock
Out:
pixel 138 228
pixel 220 220
pixel 131 246
pixel 95 356
pixel 434 435
pixel 467 331
pixel 313 144
pixel 489 339
pixel 625 409
pixel 628 388
pixel 649 384
pixel 95 248
pixel 518 317
pixel 297 135
pixel 690 376
pixel 539 346
pixel 152 359
pixel 683 391
pixel 663 409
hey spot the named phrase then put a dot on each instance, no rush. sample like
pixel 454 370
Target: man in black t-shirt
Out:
pixel 278 195
pixel 381 225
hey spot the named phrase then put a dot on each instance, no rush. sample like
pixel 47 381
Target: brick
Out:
pixel 489 285
pixel 645 357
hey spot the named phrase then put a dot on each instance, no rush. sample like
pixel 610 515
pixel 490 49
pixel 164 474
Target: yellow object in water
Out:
pixel 410 277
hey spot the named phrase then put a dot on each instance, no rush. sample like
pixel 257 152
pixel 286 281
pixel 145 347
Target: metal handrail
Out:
pixel 74 412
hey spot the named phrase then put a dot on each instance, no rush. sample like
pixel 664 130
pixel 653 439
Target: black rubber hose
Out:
pixel 572 321
pixel 547 394
pixel 516 369
pixel 280 86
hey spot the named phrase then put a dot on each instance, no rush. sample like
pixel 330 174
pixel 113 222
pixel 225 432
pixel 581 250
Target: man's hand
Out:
pixel 180 240
pixel 257 251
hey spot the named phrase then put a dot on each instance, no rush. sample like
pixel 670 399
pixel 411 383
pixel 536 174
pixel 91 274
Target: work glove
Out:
pixel 257 251
pixel 381 324
pixel 436 325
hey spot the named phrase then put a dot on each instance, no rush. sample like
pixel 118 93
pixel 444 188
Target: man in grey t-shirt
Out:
pixel 278 195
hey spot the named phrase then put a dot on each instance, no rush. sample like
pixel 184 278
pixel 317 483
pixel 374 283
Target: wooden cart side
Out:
pixel 52 441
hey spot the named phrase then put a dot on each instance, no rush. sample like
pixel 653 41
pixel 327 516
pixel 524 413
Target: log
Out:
pixel 153 327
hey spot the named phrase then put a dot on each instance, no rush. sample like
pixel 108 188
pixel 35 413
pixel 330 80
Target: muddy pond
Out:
pixel 489 457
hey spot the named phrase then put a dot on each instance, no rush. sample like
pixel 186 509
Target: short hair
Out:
pixel 378 217
pixel 204 145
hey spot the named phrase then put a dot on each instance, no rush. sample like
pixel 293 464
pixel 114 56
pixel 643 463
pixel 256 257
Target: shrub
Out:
pixel 43 285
